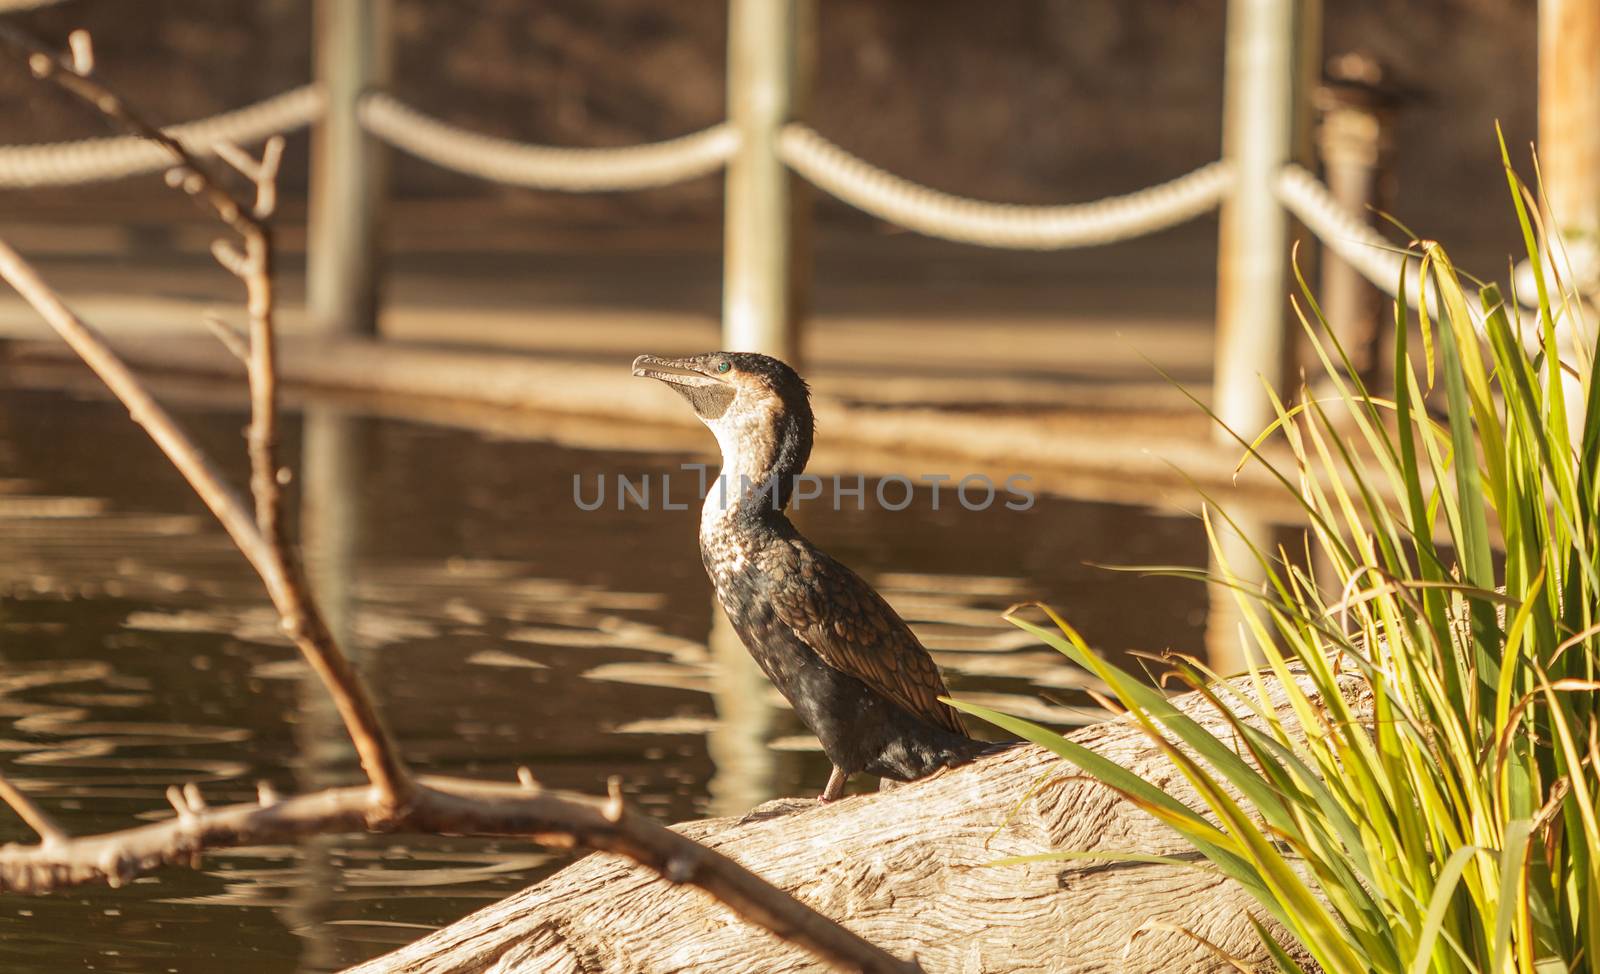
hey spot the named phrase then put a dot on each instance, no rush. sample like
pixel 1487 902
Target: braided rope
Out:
pixel 1372 255
pixel 1348 234
pixel 543 167
pixel 94 160
pixel 937 214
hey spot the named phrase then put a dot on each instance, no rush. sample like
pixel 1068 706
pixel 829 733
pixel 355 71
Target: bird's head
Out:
pixel 758 408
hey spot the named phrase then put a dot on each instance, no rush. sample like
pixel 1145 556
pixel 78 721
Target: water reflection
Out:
pixel 331 471
pixel 736 740
pixel 499 626
pixel 1239 544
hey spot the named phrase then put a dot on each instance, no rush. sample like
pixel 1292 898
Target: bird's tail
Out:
pixel 952 756
pixel 974 749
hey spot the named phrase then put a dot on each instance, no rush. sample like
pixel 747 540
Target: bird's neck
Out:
pixel 757 479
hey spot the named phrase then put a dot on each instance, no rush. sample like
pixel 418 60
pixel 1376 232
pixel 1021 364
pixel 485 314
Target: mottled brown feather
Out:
pixel 855 631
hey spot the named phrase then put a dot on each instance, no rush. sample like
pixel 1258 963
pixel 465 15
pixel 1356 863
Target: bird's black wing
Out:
pixel 854 630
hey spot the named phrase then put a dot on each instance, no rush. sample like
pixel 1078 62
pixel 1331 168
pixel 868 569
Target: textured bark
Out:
pixel 909 869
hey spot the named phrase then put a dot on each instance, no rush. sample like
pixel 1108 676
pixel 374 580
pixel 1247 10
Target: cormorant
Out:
pixel 851 667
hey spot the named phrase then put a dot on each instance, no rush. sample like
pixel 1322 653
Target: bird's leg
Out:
pixel 835 789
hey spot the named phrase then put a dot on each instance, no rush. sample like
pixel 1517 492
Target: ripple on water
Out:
pixel 137 651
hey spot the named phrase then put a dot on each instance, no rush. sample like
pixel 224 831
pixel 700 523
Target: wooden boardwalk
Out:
pixel 919 352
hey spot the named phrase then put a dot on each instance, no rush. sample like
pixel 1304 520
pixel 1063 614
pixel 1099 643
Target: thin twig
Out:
pixel 266 178
pixel 263 172
pixel 230 339
pixel 50 833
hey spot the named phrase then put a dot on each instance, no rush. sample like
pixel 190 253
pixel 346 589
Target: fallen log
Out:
pixel 910 869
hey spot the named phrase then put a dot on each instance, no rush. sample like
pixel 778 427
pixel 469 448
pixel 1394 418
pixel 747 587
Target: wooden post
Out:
pixel 348 171
pixel 769 55
pixel 1356 145
pixel 1263 128
pixel 1569 115
pixel 1569 164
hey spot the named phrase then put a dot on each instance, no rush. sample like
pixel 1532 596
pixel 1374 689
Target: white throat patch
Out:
pixel 745 435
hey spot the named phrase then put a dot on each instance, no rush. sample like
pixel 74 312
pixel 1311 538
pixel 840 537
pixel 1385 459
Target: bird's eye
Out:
pixel 724 366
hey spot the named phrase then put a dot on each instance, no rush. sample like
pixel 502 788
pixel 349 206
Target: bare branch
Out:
pixel 230 258
pixel 267 178
pixel 263 172
pixel 266 545
pixel 442 805
pixel 49 832
pixel 180 803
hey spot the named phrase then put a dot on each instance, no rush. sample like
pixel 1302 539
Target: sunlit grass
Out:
pixel 1421 795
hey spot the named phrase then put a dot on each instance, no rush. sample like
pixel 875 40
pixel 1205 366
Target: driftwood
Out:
pixel 908 869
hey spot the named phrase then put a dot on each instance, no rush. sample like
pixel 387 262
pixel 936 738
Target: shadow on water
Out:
pixel 499 624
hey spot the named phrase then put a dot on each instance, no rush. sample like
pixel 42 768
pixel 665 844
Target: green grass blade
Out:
pixel 1433 921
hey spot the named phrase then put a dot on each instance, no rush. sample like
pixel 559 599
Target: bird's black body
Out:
pixel 851 667
pixel 860 727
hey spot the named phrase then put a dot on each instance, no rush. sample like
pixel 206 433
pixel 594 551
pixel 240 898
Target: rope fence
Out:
pixel 826 165
pixel 97 160
pixel 1373 256
pixel 541 167
pixel 1348 234
pixel 821 162
pixel 936 214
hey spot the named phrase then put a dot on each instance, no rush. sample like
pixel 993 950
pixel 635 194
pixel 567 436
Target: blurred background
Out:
pixel 456 353
pixel 1030 101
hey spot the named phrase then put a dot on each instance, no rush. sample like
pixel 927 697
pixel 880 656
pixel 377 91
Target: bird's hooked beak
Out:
pixel 708 394
pixel 679 371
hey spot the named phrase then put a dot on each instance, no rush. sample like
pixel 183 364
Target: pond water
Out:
pixel 499 625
